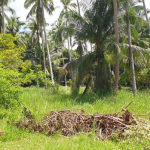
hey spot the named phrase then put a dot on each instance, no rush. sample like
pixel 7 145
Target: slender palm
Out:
pixel 66 7
pixel 44 61
pixel 49 56
pixel 3 16
pixel 3 1
pixel 117 42
pixel 34 39
pixel 130 50
pixel 38 10
pixel 146 15
pixel 37 31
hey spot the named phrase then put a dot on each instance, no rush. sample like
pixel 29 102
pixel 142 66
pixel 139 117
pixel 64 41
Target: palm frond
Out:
pixel 32 11
pixel 138 50
pixel 49 8
pixel 28 3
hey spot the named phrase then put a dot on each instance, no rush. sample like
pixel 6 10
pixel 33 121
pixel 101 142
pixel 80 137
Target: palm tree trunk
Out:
pixel 3 31
pixel 63 64
pixel 69 50
pixel 117 42
pixel 91 47
pixel 62 53
pixel 85 47
pixel 146 15
pixel 68 44
pixel 49 57
pixel 78 7
pixel 44 62
pixel 130 51
pixel 102 80
pixel 68 39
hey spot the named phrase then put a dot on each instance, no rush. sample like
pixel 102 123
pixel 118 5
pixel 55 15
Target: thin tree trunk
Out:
pixel 68 39
pixel 49 57
pixel 68 43
pixel 3 30
pixel 62 53
pixel 69 50
pixel 117 42
pixel 37 83
pixel 64 64
pixel 44 62
pixel 78 7
pixel 35 55
pixel 85 47
pixel 130 51
pixel 146 15
pixel 91 47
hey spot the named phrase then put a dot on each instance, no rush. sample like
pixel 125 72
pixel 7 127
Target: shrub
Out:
pixel 9 88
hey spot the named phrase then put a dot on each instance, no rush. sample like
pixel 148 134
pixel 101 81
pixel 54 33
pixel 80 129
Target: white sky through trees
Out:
pixel 21 12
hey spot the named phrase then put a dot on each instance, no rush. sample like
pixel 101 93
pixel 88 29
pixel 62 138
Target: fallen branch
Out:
pixel 123 109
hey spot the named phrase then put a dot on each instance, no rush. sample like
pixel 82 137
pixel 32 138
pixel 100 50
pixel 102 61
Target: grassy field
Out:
pixel 40 102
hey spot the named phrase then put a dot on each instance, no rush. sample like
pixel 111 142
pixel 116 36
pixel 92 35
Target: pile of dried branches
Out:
pixel 70 123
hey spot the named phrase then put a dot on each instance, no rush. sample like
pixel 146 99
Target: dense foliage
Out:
pixel 9 87
pixel 14 71
pixel 95 45
pixel 80 48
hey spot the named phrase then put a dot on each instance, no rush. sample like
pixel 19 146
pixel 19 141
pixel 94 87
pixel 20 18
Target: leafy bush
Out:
pixel 31 76
pixel 11 54
pixel 10 62
pixel 9 88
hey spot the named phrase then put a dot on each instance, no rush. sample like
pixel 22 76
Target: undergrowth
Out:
pixel 40 102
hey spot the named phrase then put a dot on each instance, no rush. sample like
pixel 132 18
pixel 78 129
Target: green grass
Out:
pixel 40 102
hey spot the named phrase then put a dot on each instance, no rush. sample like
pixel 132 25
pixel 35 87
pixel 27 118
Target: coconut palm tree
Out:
pixel 67 6
pixel 3 16
pixel 38 10
pixel 13 26
pixel 144 7
pixel 37 31
pixel 2 4
pixel 117 42
pixel 49 56
pixel 33 40
pixel 96 26
pixel 130 50
pixel 59 36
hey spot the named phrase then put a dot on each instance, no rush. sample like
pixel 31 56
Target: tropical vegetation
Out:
pixel 97 49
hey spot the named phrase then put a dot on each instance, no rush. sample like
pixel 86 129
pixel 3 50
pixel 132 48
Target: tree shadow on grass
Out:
pixel 89 97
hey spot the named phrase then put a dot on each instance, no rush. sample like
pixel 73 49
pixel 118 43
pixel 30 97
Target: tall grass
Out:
pixel 40 102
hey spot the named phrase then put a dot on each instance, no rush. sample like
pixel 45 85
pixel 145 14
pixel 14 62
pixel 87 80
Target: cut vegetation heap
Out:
pixel 70 123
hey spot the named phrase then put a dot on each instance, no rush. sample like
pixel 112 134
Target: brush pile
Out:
pixel 70 123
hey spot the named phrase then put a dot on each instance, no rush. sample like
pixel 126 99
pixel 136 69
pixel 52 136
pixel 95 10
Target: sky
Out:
pixel 21 12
